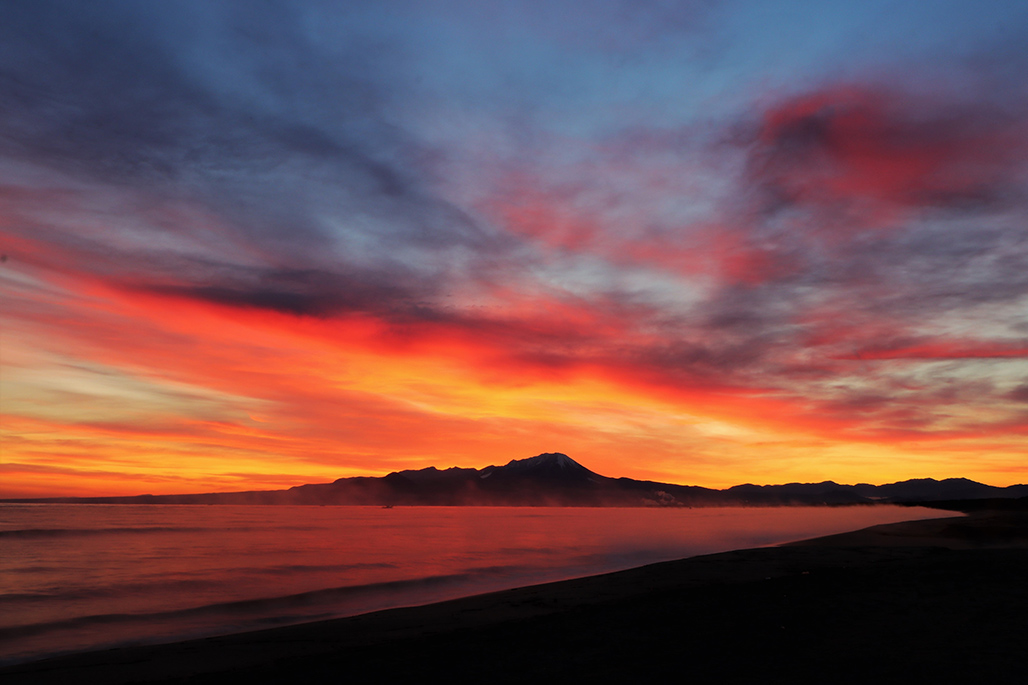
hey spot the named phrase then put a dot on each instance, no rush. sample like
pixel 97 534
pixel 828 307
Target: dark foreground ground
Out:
pixel 942 600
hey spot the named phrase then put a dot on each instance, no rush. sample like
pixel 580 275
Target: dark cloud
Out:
pixel 723 362
pixel 302 292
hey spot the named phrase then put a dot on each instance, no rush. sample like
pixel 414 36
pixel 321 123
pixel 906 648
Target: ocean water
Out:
pixel 82 577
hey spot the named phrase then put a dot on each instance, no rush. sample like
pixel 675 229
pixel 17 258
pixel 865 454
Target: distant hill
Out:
pixel 556 479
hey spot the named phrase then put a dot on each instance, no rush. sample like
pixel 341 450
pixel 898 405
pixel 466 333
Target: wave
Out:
pixel 253 608
pixel 36 533
pixel 30 533
pixel 319 568
pixel 111 591
pixel 205 582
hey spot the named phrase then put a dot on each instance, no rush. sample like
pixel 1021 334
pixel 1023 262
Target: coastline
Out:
pixel 939 597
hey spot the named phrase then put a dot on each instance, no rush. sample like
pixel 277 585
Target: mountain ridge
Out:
pixel 555 479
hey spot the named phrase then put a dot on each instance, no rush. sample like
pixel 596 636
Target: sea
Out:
pixel 81 577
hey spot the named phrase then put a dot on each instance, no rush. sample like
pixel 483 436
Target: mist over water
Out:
pixel 79 577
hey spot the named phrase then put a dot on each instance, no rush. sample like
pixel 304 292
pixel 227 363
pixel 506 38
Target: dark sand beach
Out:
pixel 940 600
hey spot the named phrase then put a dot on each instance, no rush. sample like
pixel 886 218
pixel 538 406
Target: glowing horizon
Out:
pixel 700 243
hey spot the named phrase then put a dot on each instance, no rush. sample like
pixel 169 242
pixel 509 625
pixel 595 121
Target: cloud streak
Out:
pixel 617 231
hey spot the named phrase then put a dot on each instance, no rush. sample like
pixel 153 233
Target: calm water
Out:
pixel 78 577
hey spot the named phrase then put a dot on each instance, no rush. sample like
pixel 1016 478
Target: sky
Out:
pixel 254 244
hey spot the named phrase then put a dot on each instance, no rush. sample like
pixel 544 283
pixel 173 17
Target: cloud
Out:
pixel 867 152
pixel 188 102
pixel 306 292
pixel 943 349
pixel 484 200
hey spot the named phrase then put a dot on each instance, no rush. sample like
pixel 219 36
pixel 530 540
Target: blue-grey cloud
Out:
pixel 229 106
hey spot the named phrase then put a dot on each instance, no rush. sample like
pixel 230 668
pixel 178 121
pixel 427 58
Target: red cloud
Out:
pixel 560 220
pixel 887 150
pixel 942 349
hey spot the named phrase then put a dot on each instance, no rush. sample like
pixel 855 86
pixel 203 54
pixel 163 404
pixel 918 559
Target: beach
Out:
pixel 938 599
pixel 86 577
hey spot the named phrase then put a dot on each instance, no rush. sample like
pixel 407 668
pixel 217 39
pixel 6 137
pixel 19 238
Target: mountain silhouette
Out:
pixel 555 479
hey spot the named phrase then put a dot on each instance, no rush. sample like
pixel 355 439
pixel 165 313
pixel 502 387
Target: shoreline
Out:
pixel 465 552
pixel 634 621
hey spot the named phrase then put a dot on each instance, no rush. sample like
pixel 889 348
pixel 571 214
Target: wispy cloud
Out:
pixel 445 219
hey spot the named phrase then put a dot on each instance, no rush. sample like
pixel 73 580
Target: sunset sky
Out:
pixel 248 245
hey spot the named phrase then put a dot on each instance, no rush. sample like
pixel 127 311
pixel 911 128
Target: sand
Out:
pixel 941 600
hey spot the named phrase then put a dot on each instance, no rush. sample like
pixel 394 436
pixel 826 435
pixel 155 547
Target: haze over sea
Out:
pixel 77 577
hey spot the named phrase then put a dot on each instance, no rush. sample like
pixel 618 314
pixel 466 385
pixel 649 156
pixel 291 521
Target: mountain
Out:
pixel 827 492
pixel 551 479
pixel 908 491
pixel 926 489
pixel 555 479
